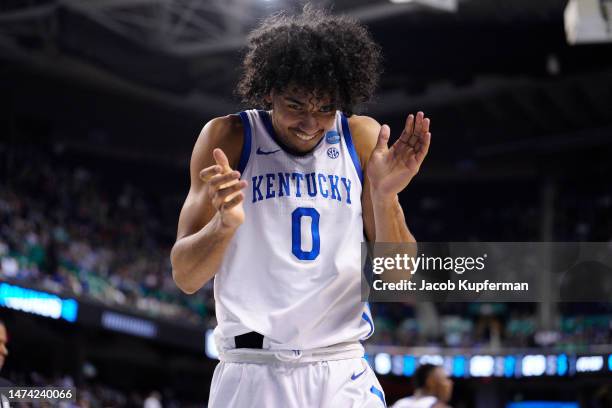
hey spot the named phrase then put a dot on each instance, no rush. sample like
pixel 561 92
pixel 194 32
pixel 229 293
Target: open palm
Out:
pixel 390 170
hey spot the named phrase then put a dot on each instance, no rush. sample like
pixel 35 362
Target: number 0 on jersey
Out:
pixel 296 233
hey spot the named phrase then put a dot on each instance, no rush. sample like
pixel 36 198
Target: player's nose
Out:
pixel 309 123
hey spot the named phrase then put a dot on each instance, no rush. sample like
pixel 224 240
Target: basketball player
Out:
pixel 433 389
pixel 278 205
pixel 3 342
pixel 3 354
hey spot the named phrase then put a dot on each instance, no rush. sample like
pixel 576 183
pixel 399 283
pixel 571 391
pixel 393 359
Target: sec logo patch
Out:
pixel 333 153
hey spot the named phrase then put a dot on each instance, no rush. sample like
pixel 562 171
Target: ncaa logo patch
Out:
pixel 332 137
pixel 333 153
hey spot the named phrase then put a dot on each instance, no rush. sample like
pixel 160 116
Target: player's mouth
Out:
pixel 306 137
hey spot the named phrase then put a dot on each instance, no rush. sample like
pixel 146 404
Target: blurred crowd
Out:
pixel 96 394
pixel 511 211
pixel 68 228
pixel 490 326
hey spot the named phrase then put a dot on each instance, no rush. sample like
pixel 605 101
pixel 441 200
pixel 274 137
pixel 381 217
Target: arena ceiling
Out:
pixel 484 64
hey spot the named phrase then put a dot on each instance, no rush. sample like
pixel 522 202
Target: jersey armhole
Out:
pixel 346 132
pixel 246 145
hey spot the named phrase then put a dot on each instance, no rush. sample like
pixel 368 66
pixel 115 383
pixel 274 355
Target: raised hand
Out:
pixel 223 187
pixel 390 170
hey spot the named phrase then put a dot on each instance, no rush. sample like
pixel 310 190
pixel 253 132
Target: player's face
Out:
pixel 3 341
pixel 300 119
pixel 444 385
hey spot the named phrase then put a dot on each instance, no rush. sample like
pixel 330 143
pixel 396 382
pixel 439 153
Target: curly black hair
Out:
pixel 314 51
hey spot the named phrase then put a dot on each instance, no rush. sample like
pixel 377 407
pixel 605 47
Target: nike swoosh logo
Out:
pixel 356 376
pixel 259 151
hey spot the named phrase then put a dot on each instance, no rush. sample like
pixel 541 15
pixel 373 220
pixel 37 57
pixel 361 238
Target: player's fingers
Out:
pixel 418 123
pixel 207 173
pixel 423 147
pixel 221 159
pixel 413 140
pixel 408 129
pixel 237 199
pixel 228 191
pixel 383 138
pixel 426 123
pixel 222 180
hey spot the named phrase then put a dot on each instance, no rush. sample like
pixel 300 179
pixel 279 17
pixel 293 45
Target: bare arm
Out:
pixel 212 211
pixel 390 170
pixel 383 216
pixel 387 172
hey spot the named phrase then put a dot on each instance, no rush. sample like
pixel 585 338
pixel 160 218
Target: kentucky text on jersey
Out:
pixel 274 185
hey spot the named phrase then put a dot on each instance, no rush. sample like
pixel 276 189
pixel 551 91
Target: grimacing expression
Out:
pixel 300 119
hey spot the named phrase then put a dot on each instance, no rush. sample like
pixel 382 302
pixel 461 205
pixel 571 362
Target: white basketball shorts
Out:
pixel 346 383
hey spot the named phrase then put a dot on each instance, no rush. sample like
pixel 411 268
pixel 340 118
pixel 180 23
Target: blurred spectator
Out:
pixel 153 400
pixel 3 353
pixel 433 389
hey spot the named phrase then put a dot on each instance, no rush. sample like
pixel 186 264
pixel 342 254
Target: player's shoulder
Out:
pixel 364 131
pixel 363 125
pixel 222 128
pixel 224 132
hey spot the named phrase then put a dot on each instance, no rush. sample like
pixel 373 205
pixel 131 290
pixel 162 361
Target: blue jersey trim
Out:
pixel 379 394
pixel 267 121
pixel 246 146
pixel 351 148
pixel 365 317
pixel 265 118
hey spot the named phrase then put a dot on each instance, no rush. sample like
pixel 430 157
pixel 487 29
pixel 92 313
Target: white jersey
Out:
pixel 416 402
pixel 292 271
